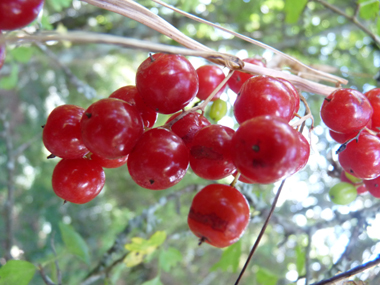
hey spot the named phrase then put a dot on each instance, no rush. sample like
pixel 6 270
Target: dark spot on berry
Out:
pixel 376 185
pixel 256 148
pixel 351 171
pixel 51 156
pixel 328 99
pixel 88 115
pixel 151 181
pixel 43 126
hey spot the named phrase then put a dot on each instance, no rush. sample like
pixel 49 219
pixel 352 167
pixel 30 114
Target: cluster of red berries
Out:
pixel 354 121
pixel 119 130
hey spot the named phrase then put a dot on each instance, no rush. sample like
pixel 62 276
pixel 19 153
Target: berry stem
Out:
pixel 235 179
pixel 256 244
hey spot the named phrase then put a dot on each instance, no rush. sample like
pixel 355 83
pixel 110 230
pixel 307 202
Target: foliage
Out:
pixel 147 229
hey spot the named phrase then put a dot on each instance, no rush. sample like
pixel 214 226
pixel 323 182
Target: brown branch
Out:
pixel 353 19
pixel 349 273
pixel 46 278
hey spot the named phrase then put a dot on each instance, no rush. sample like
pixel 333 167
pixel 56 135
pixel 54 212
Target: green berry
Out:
pixel 218 109
pixel 353 179
pixel 343 193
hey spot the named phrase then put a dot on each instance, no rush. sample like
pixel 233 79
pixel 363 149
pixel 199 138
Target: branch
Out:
pixel 349 273
pixel 46 278
pixel 353 19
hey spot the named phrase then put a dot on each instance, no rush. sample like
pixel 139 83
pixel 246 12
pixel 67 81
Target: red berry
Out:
pixel 159 160
pixel 237 79
pixel 294 92
pixel 373 97
pixel 219 215
pixel 109 163
pixel 361 158
pixel 62 135
pixel 362 189
pixel 188 126
pixel 210 155
pixel 111 127
pixel 130 95
pixel 264 95
pixel 78 180
pixel 342 138
pixel 303 151
pixel 15 14
pixel 210 76
pixel 166 82
pixel 266 149
pixel 373 186
pixel 346 111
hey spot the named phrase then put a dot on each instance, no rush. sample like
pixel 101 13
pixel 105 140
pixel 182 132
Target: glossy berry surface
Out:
pixel 346 111
pixel 62 134
pixel 373 186
pixel 130 95
pixel 303 152
pixel 265 149
pixel 361 158
pixel 264 95
pixel 343 193
pixel 109 163
pixel 210 76
pixel 210 155
pixel 237 79
pixel 373 97
pixel 293 92
pixel 342 138
pixel 219 215
pixel 218 110
pixel 15 14
pixel 188 126
pixel 111 127
pixel 77 180
pixel 159 160
pixel 167 82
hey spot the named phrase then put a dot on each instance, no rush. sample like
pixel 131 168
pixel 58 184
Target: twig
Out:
pixel 349 273
pixel 353 19
pixel 46 278
pixel 256 244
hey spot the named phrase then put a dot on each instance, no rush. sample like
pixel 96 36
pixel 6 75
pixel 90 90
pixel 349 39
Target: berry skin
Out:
pixel 62 134
pixel 188 126
pixel 109 163
pixel 373 97
pixel 111 127
pixel 167 82
pixel 130 95
pixel 237 79
pixel 373 186
pixel 78 180
pixel 15 14
pixel 218 110
pixel 266 149
pixel 361 159
pixel 210 155
pixel 264 95
pixel 346 111
pixel 219 215
pixel 210 76
pixel 342 138
pixel 343 193
pixel 159 160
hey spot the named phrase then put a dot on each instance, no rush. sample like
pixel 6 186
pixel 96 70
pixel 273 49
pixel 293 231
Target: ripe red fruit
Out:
pixel 15 14
pixel 159 160
pixel 266 149
pixel 111 127
pixel 219 215
pixel 78 180
pixel 188 126
pixel 293 91
pixel 210 76
pixel 237 79
pixel 166 82
pixel 130 95
pixel 361 158
pixel 373 97
pixel 373 186
pixel 109 163
pixel 210 155
pixel 303 151
pixel 264 95
pixel 361 189
pixel 62 135
pixel 346 111
pixel 342 138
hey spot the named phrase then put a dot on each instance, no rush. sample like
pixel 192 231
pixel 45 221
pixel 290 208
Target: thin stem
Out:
pixel 46 279
pixel 256 244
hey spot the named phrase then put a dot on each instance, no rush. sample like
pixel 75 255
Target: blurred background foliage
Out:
pixel 308 239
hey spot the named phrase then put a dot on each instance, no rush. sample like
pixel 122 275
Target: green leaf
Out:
pixel 46 23
pixel 59 5
pixel 369 9
pixel 10 82
pixel 293 10
pixel 22 54
pixel 18 272
pixel 230 258
pixel 155 281
pixel 157 238
pixel 265 277
pixel 300 260
pixel 146 246
pixel 169 258
pixel 74 242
